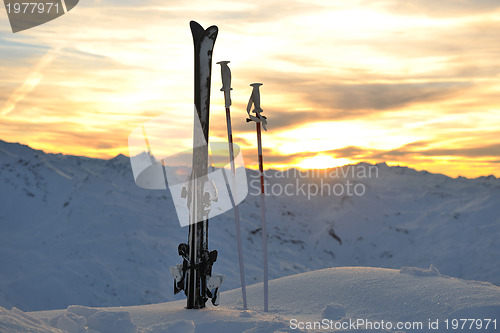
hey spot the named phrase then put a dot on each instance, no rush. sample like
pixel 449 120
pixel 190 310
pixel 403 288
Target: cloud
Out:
pixel 460 51
pixel 411 150
pixel 242 142
pixel 268 11
pixel 490 150
pixel 481 151
pixel 349 152
pixel 443 8
pixel 335 101
pixel 350 98
pixel 50 136
pixel 271 157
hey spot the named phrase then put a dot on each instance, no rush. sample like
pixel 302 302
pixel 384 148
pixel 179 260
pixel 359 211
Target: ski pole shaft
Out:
pixel 236 209
pixel 260 119
pixel 263 217
pixel 226 87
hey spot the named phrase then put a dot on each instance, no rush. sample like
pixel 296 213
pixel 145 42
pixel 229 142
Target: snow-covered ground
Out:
pixel 351 299
pixel 75 230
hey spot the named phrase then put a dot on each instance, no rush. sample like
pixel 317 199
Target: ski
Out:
pixel 197 260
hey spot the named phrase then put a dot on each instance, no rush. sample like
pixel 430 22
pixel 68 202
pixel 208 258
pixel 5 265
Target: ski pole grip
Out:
pixel 226 82
pixel 255 98
pixel 255 101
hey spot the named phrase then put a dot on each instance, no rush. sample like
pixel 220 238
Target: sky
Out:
pixel 410 83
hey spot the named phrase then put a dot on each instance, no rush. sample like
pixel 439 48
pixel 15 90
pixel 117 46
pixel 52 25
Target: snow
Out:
pixel 431 271
pixel 76 230
pixel 342 295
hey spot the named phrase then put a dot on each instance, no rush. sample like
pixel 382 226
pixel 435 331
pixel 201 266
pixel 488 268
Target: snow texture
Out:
pixel 333 311
pixel 338 294
pixel 431 271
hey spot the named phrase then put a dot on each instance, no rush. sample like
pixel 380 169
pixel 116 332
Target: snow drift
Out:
pixel 353 298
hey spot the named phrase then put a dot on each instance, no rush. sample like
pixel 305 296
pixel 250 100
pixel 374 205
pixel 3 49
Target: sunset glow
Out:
pixel 413 83
pixel 322 162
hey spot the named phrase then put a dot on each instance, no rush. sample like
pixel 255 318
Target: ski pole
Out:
pixel 226 87
pixel 255 100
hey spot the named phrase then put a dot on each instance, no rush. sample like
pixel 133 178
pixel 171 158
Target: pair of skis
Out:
pixel 194 275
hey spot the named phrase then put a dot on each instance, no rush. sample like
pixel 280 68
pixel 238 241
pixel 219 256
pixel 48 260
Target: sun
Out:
pixel 321 161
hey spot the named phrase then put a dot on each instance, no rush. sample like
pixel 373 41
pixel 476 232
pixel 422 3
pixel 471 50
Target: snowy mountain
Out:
pixel 76 230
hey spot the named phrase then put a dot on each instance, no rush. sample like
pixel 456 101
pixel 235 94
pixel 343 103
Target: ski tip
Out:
pixel 212 31
pixel 197 29
pixel 196 25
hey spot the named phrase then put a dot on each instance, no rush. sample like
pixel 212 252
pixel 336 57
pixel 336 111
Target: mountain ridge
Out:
pixel 77 230
pixel 122 156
